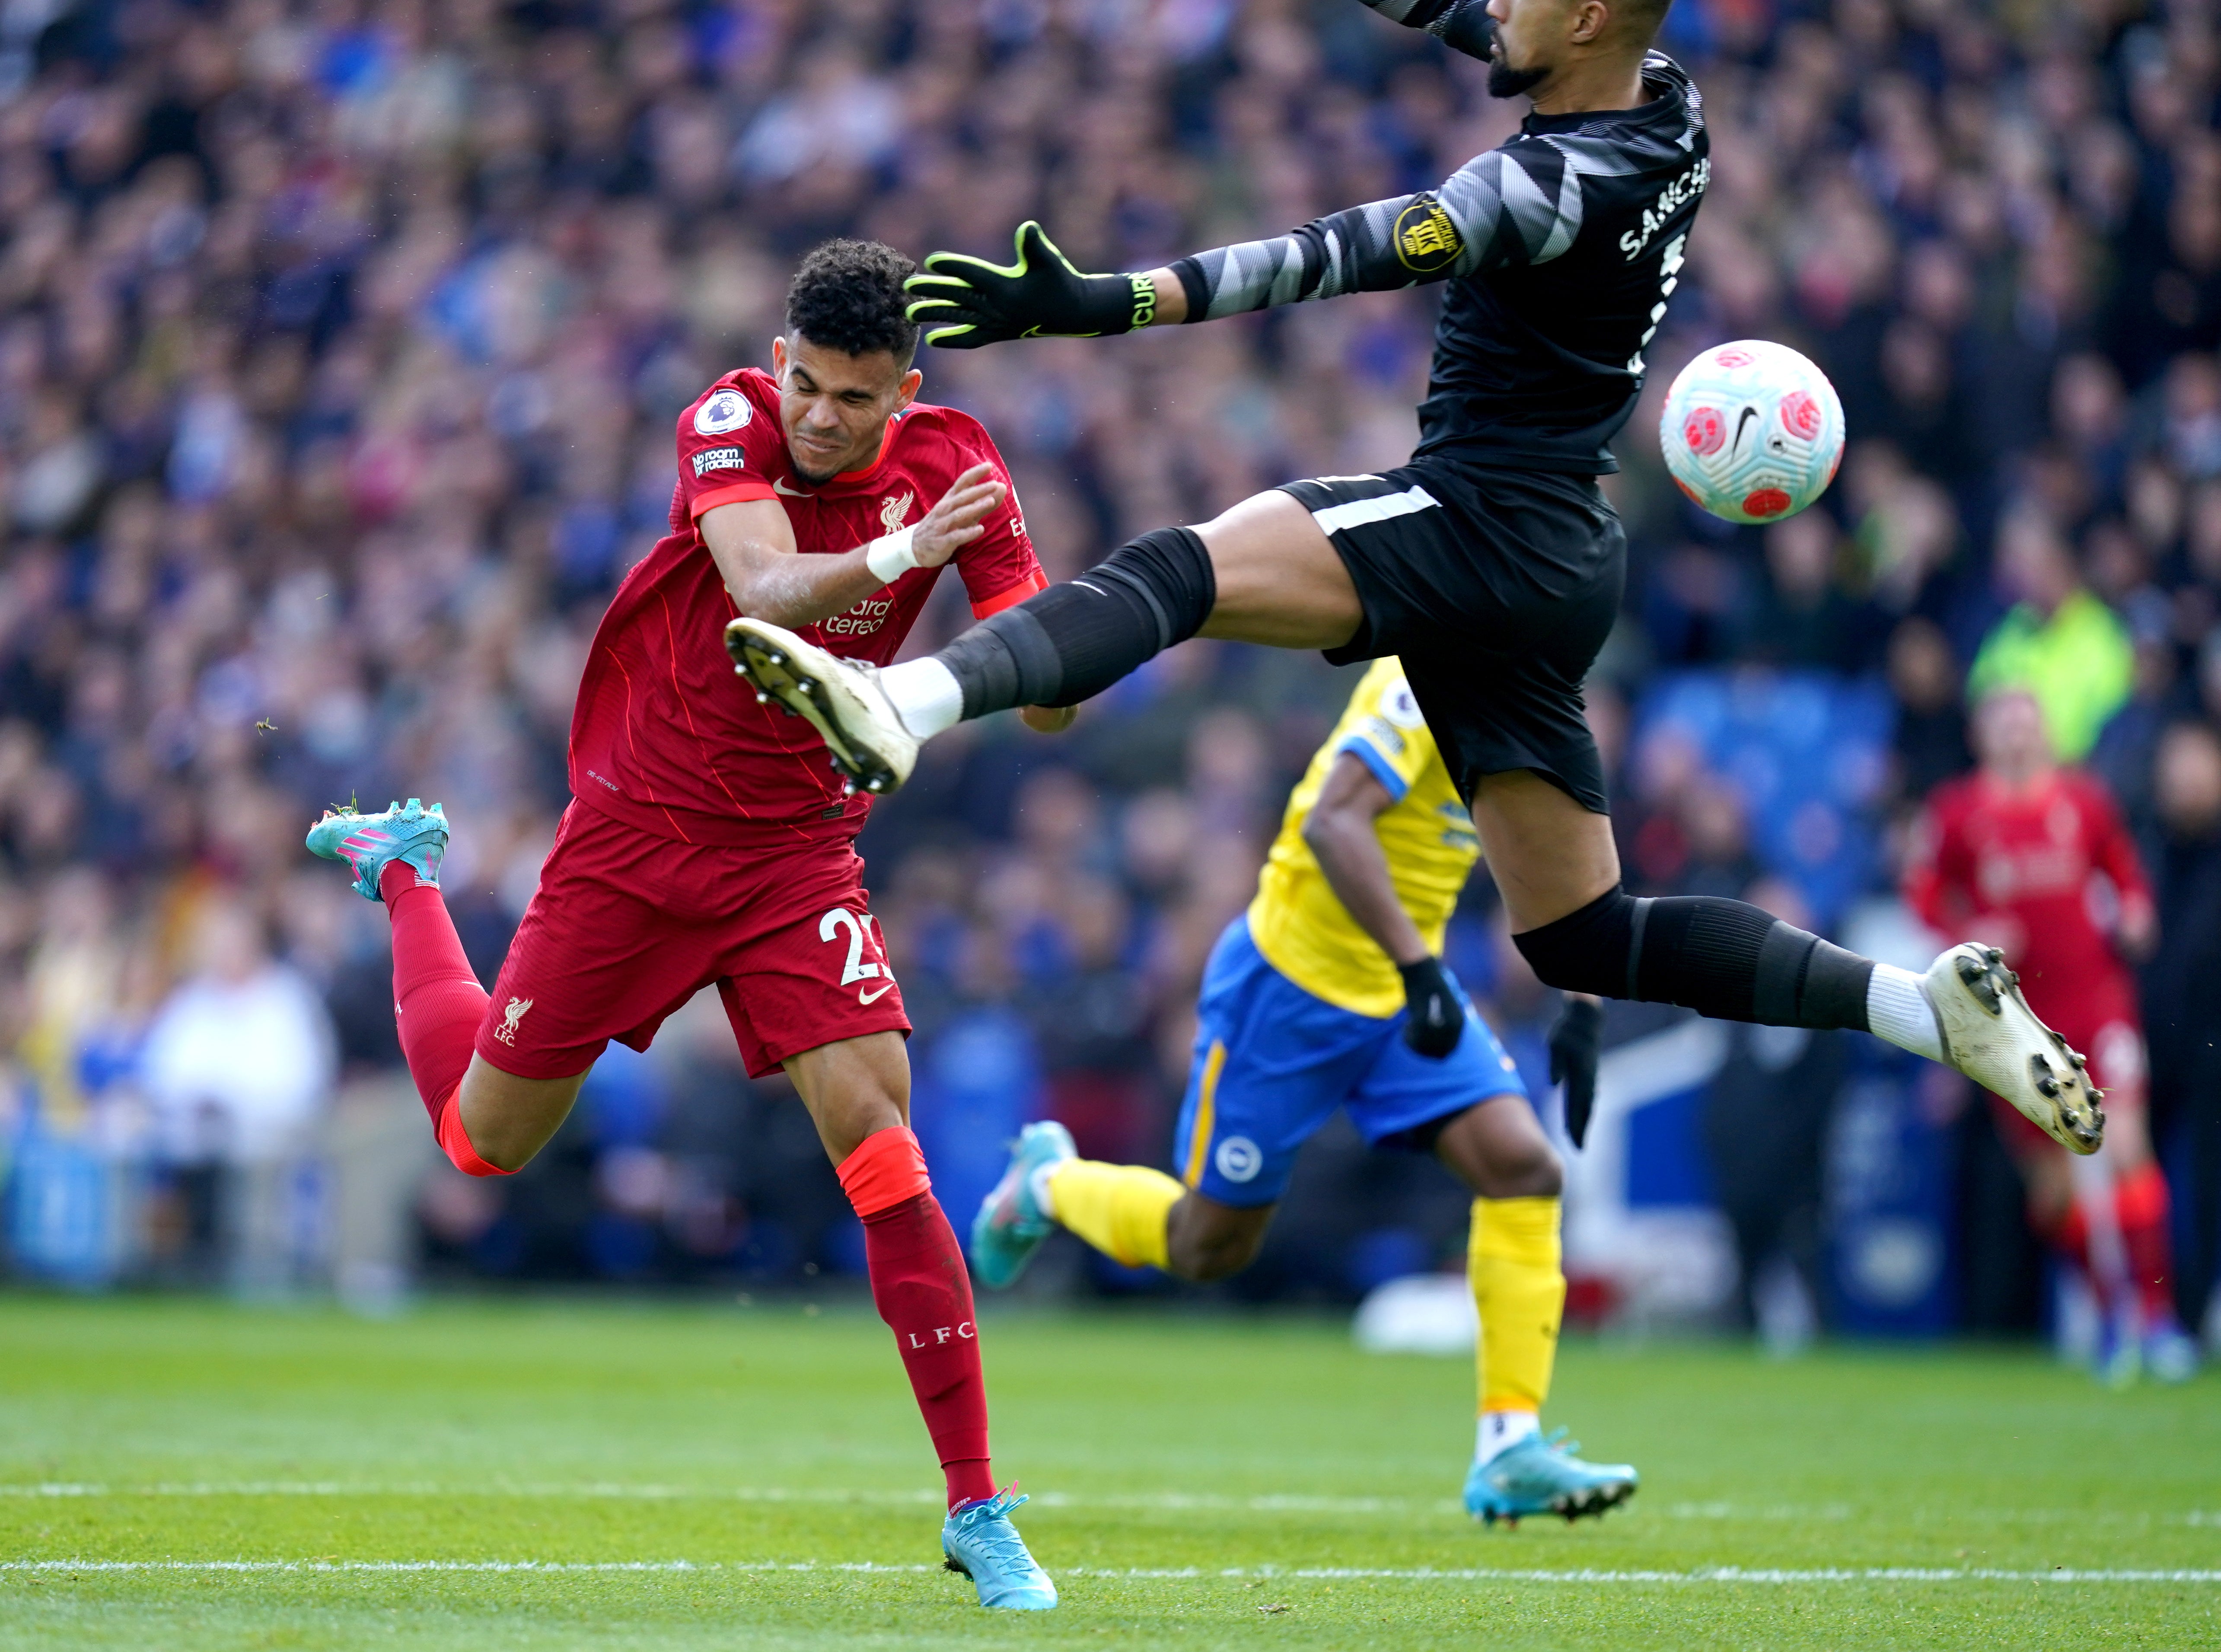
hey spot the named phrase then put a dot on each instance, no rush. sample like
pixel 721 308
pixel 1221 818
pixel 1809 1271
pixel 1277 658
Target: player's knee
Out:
pixel 1204 1261
pixel 1202 1245
pixel 1528 1168
pixel 1587 950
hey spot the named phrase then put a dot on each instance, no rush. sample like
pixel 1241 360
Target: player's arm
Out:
pixel 1926 884
pixel 2137 930
pixel 1461 25
pixel 1461 228
pixel 1341 834
pixel 753 543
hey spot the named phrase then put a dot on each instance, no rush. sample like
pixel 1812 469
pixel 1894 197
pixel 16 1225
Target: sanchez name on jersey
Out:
pixel 1560 246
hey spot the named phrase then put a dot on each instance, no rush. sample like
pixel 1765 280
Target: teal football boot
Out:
pixel 1541 1475
pixel 1011 1223
pixel 368 843
pixel 978 1540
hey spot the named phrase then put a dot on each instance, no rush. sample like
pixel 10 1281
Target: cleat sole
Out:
pixel 1988 1030
pixel 776 676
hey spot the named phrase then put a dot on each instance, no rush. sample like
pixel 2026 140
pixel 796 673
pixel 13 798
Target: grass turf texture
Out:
pixel 751 1441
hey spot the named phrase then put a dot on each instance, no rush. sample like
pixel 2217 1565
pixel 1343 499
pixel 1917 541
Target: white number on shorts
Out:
pixel 841 918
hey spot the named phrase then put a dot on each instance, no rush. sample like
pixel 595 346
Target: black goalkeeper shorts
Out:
pixel 1497 589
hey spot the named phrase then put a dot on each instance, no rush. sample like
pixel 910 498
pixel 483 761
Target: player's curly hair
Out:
pixel 849 296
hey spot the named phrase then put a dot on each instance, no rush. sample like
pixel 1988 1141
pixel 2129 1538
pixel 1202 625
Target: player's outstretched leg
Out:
pixel 1071 642
pixel 1556 862
pixel 1125 1211
pixel 1263 571
pixel 395 855
pixel 1014 1219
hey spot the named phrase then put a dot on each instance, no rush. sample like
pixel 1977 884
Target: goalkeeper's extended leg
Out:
pixel 1264 572
pixel 1559 871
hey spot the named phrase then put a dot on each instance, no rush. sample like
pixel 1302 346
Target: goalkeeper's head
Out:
pixel 843 364
pixel 1537 43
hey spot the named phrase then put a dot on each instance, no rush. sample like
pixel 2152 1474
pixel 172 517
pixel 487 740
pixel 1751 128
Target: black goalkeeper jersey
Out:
pixel 1561 246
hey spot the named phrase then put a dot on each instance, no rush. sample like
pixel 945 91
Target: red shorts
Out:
pixel 626 927
pixel 2102 1023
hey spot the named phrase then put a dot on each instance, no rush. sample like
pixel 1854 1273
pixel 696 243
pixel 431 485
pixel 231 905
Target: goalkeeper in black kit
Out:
pixel 1492 563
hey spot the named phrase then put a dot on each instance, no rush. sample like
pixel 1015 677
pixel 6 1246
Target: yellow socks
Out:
pixel 1520 1290
pixel 1121 1210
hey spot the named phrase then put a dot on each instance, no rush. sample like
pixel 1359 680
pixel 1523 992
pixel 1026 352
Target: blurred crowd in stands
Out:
pixel 339 348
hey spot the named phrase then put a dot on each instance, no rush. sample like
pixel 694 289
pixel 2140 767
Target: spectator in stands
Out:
pixel 2182 998
pixel 238 1064
pixel 2058 641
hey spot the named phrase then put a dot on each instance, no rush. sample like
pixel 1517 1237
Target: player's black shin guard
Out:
pixel 1075 640
pixel 1725 959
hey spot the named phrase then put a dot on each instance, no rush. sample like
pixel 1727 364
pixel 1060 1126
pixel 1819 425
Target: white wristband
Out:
pixel 891 558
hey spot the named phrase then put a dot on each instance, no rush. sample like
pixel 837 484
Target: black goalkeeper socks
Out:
pixel 1075 640
pixel 1725 959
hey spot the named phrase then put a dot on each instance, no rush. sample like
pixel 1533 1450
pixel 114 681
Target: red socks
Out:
pixel 2140 1205
pixel 922 1289
pixel 437 1004
pixel 2140 1213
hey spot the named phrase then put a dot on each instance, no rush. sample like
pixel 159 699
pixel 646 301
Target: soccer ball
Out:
pixel 1753 431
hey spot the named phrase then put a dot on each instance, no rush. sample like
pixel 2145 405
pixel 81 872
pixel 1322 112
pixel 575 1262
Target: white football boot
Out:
pixel 842 699
pixel 1992 1036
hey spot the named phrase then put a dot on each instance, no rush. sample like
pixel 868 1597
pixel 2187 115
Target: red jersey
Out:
pixel 664 737
pixel 2055 863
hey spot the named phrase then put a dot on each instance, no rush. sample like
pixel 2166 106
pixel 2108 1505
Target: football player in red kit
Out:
pixel 2034 857
pixel 709 842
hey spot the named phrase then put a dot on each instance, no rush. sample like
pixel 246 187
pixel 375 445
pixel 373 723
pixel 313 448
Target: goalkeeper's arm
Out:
pixel 963 301
pixel 1462 25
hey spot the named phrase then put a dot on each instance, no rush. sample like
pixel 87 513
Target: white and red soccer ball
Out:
pixel 1753 431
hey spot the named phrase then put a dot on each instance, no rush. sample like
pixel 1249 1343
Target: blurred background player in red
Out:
pixel 710 843
pixel 2032 856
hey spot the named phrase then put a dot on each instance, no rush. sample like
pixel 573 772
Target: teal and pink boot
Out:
pixel 368 843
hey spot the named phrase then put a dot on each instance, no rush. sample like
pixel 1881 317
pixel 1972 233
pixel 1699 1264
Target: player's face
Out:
pixel 1532 39
pixel 2009 732
pixel 834 407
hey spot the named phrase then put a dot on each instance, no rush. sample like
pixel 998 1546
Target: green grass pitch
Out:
pixel 572 1475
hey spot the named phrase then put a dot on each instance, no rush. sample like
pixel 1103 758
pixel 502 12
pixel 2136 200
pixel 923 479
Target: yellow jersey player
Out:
pixel 1330 991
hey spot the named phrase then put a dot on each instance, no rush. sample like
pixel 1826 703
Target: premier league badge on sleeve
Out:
pixel 725 410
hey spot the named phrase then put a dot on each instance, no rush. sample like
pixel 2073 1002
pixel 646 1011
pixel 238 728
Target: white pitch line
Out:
pixel 1328 1573
pixel 1173 1502
pixel 1277 1502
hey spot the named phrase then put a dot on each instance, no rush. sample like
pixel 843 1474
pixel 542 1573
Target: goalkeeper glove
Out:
pixel 1573 1061
pixel 1462 25
pixel 963 302
pixel 1437 1017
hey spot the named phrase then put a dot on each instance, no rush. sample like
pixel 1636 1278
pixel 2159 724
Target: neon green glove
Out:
pixel 964 303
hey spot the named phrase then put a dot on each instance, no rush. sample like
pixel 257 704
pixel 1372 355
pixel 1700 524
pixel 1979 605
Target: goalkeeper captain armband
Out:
pixel 890 556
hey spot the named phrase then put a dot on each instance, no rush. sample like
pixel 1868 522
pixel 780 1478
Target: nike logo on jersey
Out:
pixel 778 487
pixel 873 997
